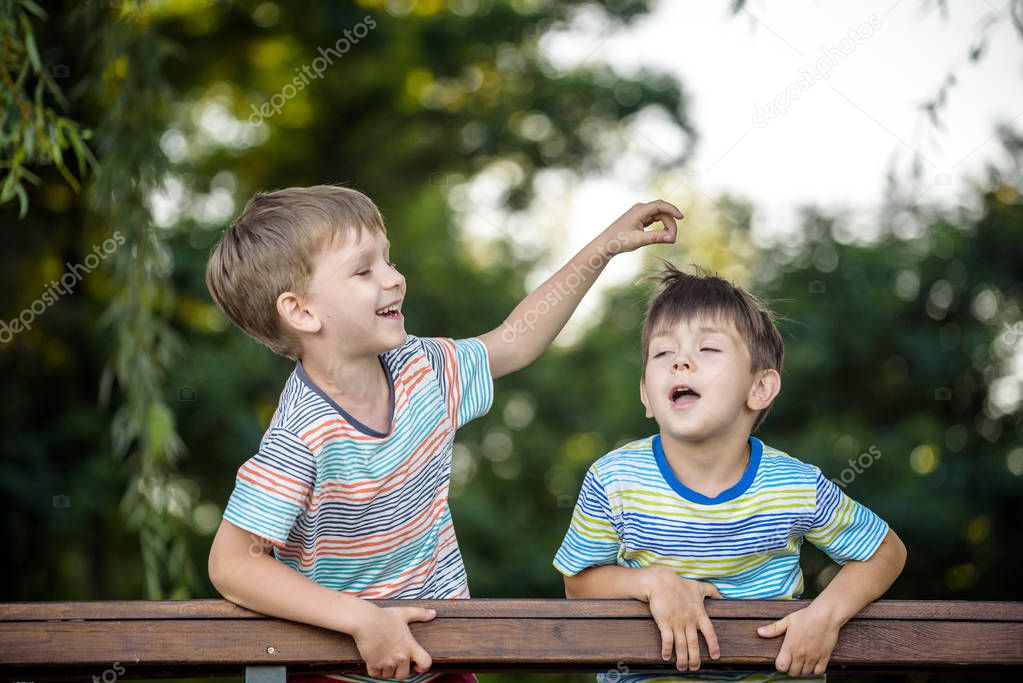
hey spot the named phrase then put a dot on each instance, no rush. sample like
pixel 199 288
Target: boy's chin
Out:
pixel 394 341
pixel 688 433
pixel 684 435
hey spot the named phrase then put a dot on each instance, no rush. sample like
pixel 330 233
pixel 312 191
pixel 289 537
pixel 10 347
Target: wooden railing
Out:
pixel 192 638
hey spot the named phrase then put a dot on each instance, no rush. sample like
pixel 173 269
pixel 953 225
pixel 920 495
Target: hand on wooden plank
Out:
pixel 676 605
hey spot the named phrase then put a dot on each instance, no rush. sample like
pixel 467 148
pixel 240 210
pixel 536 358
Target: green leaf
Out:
pixel 30 45
pixel 34 8
pixel 19 190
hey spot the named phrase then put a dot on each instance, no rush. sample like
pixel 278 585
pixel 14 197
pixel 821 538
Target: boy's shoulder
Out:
pixel 636 450
pixel 629 460
pixel 777 462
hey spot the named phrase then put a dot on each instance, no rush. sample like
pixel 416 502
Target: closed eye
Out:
pixel 662 353
pixel 708 348
pixel 363 272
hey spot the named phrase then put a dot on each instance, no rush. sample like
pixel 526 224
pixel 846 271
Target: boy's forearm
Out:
pixel 612 581
pixel 293 596
pixel 538 318
pixel 858 584
pixel 535 322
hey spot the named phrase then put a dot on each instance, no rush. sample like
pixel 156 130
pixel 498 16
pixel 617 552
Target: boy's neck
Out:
pixel 709 466
pixel 349 380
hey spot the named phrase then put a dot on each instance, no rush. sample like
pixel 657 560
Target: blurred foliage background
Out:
pixel 130 402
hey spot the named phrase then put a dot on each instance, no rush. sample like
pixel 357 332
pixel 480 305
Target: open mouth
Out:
pixel 392 312
pixel 682 396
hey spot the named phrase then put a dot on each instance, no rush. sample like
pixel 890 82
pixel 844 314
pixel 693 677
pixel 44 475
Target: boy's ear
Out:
pixel 644 398
pixel 296 314
pixel 766 386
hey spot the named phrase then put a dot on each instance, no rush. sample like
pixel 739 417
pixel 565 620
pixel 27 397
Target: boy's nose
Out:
pixel 396 279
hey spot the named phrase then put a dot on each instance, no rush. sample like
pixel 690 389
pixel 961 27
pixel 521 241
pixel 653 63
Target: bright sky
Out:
pixel 837 138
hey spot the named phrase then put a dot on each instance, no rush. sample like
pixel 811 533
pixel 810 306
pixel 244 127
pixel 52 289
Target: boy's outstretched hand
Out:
pixel 810 637
pixel 676 604
pixel 386 643
pixel 538 319
pixel 629 231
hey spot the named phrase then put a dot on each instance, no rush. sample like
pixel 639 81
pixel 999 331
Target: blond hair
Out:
pixel 270 248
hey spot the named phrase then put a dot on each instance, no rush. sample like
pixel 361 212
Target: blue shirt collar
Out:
pixel 731 493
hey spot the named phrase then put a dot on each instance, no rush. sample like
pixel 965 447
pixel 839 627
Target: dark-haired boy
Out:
pixel 704 509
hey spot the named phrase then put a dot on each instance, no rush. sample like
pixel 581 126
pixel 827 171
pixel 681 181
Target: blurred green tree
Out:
pixel 908 344
pixel 174 91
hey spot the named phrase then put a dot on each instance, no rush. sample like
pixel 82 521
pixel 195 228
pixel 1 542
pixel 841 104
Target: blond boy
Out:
pixel 347 496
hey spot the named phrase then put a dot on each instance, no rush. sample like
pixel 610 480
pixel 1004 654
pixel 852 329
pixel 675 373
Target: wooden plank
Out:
pixel 184 646
pixel 512 609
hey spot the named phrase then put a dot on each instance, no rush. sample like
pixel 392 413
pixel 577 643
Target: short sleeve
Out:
pixel 592 539
pixel 463 368
pixel 843 528
pixel 273 487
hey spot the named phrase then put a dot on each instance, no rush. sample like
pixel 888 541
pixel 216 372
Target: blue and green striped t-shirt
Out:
pixel 633 511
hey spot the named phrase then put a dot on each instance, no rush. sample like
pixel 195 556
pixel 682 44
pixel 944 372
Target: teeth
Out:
pixel 385 311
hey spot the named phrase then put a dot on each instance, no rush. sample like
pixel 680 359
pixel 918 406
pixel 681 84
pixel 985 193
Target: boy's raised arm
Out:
pixel 538 319
pixel 243 572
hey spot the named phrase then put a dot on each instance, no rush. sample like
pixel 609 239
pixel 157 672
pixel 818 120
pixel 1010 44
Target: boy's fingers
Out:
pixel 822 666
pixel 411 614
pixel 711 637
pixel 646 237
pixel 773 630
pixel 665 207
pixel 670 231
pixel 681 651
pixel 656 210
pixel 667 643
pixel 422 659
pixel 711 591
pixel 693 641
pixel 782 662
pixel 401 673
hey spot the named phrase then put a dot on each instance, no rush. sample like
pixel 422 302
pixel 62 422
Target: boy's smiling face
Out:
pixel 356 293
pixel 698 382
